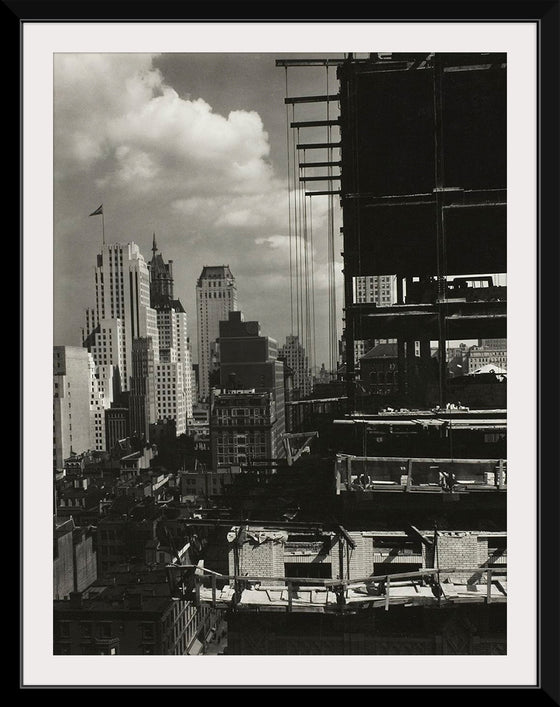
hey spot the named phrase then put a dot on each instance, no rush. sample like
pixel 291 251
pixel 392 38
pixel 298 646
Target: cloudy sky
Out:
pixel 193 148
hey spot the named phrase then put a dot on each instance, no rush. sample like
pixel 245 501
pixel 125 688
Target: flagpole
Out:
pixel 103 226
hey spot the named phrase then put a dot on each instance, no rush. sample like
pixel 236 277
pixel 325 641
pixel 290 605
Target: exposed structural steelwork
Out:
pixel 319 124
pixel 436 208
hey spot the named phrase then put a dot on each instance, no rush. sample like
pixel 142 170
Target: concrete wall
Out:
pixel 63 567
pixel 85 560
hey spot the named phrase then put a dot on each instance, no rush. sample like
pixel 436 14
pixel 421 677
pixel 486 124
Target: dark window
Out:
pixel 64 629
pixel 86 630
pixel 312 570
pixel 104 630
pixel 381 568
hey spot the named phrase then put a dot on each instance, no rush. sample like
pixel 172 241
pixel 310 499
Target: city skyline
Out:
pixel 190 147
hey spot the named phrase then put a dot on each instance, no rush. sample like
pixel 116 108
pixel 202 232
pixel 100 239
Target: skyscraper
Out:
pixel 293 353
pixel 373 289
pixel 142 398
pixel 173 370
pixel 122 292
pixel 216 296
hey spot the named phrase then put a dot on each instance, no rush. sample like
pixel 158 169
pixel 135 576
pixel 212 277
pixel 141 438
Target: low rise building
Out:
pixel 74 558
pixel 244 427
pixel 131 613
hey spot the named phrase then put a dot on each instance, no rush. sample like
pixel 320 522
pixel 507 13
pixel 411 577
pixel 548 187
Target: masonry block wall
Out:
pixel 458 550
pixel 264 559
pixel 361 557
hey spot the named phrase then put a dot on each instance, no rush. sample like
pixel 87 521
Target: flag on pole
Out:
pixel 98 210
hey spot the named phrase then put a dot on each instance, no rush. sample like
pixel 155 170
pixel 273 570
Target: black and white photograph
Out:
pixel 287 288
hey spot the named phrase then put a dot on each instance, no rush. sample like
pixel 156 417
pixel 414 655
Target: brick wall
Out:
pixel 458 550
pixel 259 560
pixel 361 557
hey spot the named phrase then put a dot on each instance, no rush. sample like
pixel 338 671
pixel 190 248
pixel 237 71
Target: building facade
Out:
pixel 480 356
pixel 249 361
pixel 74 558
pixel 216 296
pixel 373 289
pixel 142 397
pixel 491 352
pixel 295 356
pixel 71 402
pixel 130 614
pixel 244 427
pixel 174 388
pixel 122 292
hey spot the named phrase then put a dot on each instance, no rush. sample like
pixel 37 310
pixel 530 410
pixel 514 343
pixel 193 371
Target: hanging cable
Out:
pixel 331 248
pixel 312 352
pixel 307 343
pixel 296 232
pixel 290 238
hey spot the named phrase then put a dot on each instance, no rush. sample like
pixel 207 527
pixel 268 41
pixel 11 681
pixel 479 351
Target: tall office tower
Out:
pixel 378 289
pixel 142 398
pixel 71 402
pixel 122 292
pixel 97 405
pixel 174 369
pixel 216 296
pixel 248 362
pixel 373 289
pixel 293 353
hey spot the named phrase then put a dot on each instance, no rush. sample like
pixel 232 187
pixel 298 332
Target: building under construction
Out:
pixel 401 547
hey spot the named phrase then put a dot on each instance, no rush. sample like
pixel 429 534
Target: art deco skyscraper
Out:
pixel 216 296
pixel 122 292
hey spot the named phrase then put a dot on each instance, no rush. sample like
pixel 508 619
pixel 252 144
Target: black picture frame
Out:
pixel 546 16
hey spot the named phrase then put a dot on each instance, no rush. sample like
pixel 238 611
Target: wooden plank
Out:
pixel 501 476
pixel 425 541
pixel 326 192
pixel 346 536
pixel 409 475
